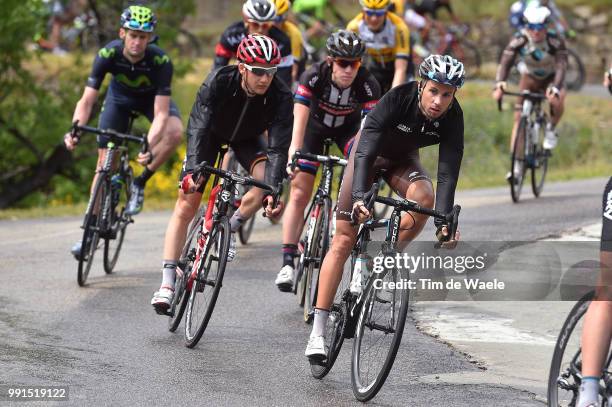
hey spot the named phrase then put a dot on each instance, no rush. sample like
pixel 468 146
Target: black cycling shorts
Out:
pixel 316 133
pixel 117 108
pixel 248 153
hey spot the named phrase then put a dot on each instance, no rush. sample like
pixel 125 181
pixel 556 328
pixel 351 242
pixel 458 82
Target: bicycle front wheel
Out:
pixel 565 369
pixel 118 223
pixel 379 331
pixel 539 164
pixel 381 210
pixel 91 230
pixel 209 269
pixel 517 165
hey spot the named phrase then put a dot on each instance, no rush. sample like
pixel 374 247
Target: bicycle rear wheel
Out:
pixel 380 327
pixel 565 369
pixel 91 230
pixel 244 233
pixel 118 223
pixel 207 281
pixel 184 268
pixel 517 165
pixel 575 74
pixel 317 250
pixel 539 162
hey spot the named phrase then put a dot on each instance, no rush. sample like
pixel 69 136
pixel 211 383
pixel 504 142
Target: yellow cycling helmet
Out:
pixel 374 4
pixel 282 6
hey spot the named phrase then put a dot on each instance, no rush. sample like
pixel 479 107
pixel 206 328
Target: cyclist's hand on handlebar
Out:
pixel 445 240
pixel 292 170
pixel 360 213
pixel 189 186
pixel 70 141
pixel 271 210
pixel 498 91
pixel 144 158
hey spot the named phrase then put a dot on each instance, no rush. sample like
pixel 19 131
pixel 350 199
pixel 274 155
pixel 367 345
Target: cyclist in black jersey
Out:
pixel 258 18
pixel 408 117
pixel 331 98
pixel 235 106
pixel 597 330
pixel 142 76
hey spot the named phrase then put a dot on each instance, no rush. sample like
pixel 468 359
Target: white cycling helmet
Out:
pixel 536 15
pixel 259 10
pixel 443 69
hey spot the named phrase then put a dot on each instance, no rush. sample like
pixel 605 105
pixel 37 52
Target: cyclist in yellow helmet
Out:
pixel 294 34
pixel 387 40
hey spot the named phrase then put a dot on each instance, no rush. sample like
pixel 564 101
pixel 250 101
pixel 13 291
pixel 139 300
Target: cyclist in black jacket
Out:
pixel 234 106
pixel 258 18
pixel 331 99
pixel 408 117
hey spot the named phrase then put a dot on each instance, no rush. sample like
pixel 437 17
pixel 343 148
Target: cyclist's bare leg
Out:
pixel 558 106
pixel 301 191
pixel 251 201
pixel 184 210
pixel 413 223
pixel 165 146
pixel 597 330
pixel 333 264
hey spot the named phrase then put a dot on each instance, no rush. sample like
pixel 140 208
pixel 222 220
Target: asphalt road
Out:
pixel 105 342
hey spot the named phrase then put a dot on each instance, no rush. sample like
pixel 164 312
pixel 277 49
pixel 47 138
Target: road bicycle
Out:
pixel 105 218
pixel 318 221
pixel 204 257
pixel 454 42
pixel 244 232
pixel 375 318
pixel 528 152
pixel 565 374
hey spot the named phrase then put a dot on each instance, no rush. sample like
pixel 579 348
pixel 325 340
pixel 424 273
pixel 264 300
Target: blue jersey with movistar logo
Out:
pixel 150 76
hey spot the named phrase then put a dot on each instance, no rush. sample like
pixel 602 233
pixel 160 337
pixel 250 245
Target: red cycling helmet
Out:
pixel 258 48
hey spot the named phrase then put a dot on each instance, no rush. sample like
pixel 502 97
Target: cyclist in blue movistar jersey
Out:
pixel 142 76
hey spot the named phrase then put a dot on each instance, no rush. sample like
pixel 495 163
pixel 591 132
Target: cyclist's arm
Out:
pixel 301 113
pixel 99 69
pixel 200 122
pixel 508 57
pixel 279 138
pixel 370 94
pixel 84 106
pixel 560 60
pixel 223 51
pixel 161 106
pixel 372 133
pixel 402 39
pixel 449 163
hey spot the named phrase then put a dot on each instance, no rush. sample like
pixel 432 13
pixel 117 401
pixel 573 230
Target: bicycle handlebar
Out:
pixel 335 160
pixel 203 167
pixel 526 94
pixel 75 129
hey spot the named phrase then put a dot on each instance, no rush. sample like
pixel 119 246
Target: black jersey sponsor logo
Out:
pixel 404 128
pixel 368 90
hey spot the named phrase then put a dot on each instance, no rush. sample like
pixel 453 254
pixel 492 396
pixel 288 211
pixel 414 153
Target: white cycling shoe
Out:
pixel 284 278
pixel 316 348
pixel 550 140
pixel 162 300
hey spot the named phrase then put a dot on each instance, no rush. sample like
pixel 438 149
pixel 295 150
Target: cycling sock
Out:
pixel 320 319
pixel 289 253
pixel 169 273
pixel 236 220
pixel 142 179
pixel 589 392
pixel 550 126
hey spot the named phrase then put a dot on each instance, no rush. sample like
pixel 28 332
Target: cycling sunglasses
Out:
pixel 536 27
pixel 345 63
pixel 260 71
pixel 134 25
pixel 256 24
pixel 375 12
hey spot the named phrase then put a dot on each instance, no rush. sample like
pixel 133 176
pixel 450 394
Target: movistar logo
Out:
pixel 157 60
pixel 106 52
pixel 139 82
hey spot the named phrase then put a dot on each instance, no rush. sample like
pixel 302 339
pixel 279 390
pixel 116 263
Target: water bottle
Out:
pixel 116 185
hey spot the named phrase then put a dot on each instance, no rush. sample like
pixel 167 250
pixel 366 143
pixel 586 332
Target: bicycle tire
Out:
pixel 319 244
pixel 86 259
pixel 518 160
pixel 576 74
pixel 185 263
pixel 118 224
pixel 219 239
pixel 381 210
pixel 555 375
pixel 244 232
pixel 372 295
pixel 539 166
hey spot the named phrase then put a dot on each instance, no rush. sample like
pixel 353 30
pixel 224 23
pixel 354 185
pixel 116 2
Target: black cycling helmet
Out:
pixel 345 44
